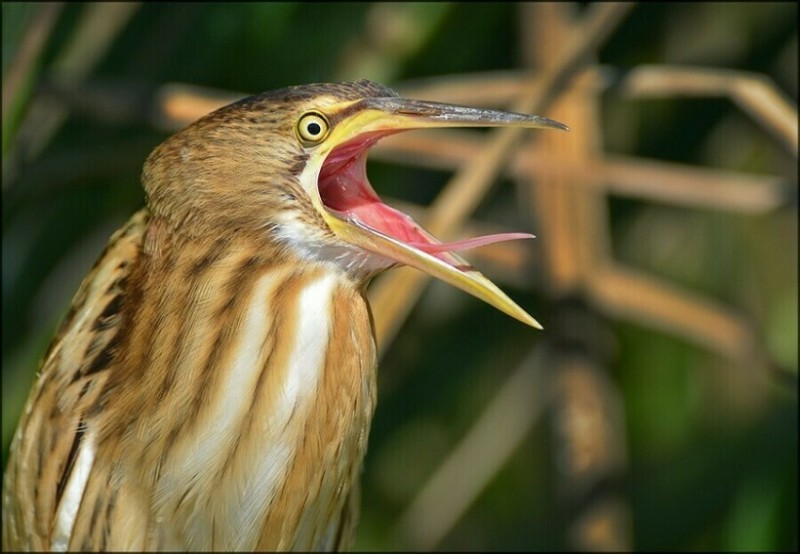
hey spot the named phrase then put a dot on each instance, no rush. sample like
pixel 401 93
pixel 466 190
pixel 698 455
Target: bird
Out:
pixel 213 382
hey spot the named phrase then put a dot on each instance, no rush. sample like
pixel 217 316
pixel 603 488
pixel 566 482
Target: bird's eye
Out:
pixel 312 128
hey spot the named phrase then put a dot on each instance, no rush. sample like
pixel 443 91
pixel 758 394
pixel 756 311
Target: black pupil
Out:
pixel 313 128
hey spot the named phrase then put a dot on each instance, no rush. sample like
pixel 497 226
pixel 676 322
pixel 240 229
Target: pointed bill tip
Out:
pixel 521 315
pixel 536 325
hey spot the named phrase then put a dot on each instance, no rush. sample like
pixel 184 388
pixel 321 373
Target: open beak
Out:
pixel 357 215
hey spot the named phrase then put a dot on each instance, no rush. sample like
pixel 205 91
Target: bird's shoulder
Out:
pixel 85 341
pixel 52 430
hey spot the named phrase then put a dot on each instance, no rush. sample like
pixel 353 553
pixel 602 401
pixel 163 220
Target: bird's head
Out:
pixel 289 167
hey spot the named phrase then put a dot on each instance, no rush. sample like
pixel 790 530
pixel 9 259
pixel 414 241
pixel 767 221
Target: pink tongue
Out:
pixel 466 244
pixel 337 189
pixel 394 223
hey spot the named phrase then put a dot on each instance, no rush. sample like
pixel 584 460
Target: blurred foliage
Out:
pixel 712 446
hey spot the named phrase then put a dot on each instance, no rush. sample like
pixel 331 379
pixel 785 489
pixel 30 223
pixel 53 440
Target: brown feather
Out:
pixel 136 417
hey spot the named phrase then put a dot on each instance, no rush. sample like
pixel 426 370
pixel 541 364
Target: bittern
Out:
pixel 212 385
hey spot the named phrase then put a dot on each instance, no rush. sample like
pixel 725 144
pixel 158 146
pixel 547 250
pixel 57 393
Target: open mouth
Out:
pixel 358 217
pixel 346 192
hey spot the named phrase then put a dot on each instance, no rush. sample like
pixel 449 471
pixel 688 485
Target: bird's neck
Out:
pixel 249 376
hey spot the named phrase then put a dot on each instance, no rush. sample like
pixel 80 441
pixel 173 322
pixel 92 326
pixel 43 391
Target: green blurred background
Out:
pixel 711 444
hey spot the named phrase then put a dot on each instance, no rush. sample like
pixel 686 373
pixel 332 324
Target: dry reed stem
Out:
pixel 31 45
pixel 591 451
pixel 589 436
pixel 477 458
pixel 663 182
pixel 753 93
pixel 94 34
pixel 630 295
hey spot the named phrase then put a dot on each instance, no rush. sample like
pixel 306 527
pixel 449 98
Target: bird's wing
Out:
pixel 345 527
pixel 52 451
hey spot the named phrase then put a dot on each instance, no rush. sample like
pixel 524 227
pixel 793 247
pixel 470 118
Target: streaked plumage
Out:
pixel 213 384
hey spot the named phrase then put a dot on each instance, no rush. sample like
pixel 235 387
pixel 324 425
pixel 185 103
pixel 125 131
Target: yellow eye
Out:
pixel 312 128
